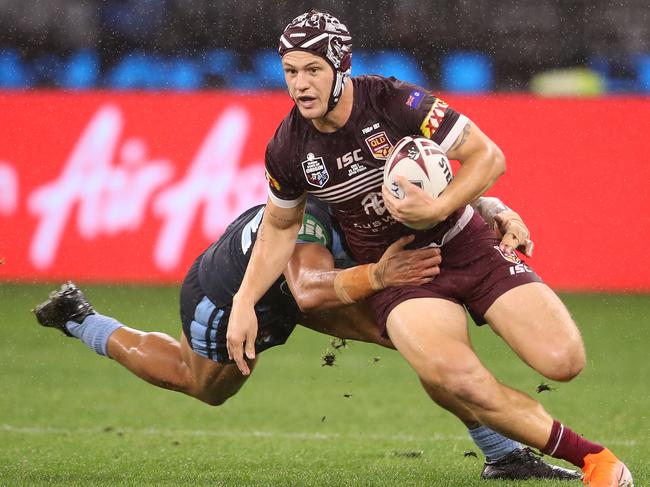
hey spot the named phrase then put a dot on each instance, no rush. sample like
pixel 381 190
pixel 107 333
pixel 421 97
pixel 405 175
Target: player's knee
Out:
pixel 564 362
pixel 214 400
pixel 468 381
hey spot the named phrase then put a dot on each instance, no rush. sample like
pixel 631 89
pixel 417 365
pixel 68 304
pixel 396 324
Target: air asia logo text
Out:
pixel 111 182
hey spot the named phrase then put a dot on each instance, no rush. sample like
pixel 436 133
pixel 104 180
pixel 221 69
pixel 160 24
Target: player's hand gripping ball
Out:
pixel 422 162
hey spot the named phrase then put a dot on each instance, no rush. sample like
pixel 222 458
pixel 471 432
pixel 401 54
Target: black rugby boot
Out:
pixel 66 304
pixel 523 464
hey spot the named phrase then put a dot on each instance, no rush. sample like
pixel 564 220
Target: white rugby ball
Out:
pixel 422 162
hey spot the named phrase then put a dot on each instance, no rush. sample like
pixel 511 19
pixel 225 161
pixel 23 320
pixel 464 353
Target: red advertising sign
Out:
pixel 109 187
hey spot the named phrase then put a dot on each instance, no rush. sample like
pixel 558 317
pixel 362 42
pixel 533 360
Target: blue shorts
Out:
pixel 205 325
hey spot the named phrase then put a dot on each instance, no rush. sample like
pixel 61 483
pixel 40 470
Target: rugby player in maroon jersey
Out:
pixel 333 145
pixel 198 365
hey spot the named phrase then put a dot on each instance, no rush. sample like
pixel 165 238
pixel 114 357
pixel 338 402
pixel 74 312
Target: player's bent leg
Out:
pixel 505 459
pixel 164 362
pixel 432 336
pixel 535 323
pixel 154 357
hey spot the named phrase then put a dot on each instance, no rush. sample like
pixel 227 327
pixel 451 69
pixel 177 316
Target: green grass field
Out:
pixel 69 417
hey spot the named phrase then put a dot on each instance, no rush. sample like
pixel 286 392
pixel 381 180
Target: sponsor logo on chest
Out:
pixel 315 170
pixel 352 161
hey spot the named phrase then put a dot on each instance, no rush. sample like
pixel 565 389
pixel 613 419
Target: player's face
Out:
pixel 309 79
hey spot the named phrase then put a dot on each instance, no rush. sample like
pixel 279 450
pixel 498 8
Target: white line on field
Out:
pixel 36 430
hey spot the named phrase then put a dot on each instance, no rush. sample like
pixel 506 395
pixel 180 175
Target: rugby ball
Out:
pixel 422 162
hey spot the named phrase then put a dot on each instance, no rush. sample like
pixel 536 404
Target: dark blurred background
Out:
pixel 550 46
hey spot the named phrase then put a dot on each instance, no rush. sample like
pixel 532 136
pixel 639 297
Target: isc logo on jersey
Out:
pixel 422 162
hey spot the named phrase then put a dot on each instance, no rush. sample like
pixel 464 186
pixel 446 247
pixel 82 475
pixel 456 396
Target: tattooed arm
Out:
pixel 482 162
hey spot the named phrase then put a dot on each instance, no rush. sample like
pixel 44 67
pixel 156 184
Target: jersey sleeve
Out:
pixel 423 113
pixel 285 190
pixel 319 227
pixel 316 225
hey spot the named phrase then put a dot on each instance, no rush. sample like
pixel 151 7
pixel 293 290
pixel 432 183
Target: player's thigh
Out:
pixel 354 322
pixel 432 336
pixel 536 324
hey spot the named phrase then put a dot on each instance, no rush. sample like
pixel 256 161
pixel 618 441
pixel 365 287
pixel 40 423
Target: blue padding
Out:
pixel 402 66
pixel 82 71
pixel 183 74
pixel 47 68
pixel 14 73
pixel 220 62
pixel 399 64
pixel 643 72
pixel 137 71
pixel 243 82
pixel 609 69
pixel 468 72
pixel 268 69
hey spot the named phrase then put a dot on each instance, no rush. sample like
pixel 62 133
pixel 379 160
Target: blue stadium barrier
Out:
pixel 399 64
pixel 467 72
pixel 14 73
pixel 220 62
pixel 267 68
pixel 243 81
pixel 137 71
pixel 619 74
pixel 47 69
pixel 183 74
pixel 402 66
pixel 643 72
pixel 81 71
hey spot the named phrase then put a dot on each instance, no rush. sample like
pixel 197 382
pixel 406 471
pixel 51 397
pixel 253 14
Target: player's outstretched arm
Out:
pixel 316 284
pixel 271 252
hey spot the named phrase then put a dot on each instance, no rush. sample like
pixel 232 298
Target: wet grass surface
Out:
pixel 69 417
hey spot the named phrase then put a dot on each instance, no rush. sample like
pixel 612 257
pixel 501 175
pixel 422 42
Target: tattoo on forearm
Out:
pixel 278 219
pixel 463 137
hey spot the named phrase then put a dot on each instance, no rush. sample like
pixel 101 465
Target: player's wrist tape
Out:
pixel 356 283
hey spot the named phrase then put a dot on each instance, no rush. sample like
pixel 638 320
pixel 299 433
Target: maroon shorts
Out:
pixel 473 273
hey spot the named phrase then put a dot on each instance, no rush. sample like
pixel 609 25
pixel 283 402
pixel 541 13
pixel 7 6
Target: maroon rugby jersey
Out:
pixel 345 168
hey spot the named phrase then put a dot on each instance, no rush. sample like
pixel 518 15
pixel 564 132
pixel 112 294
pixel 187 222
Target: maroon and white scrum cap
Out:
pixel 324 35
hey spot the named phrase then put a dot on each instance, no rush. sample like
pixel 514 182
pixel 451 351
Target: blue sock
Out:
pixel 493 445
pixel 94 331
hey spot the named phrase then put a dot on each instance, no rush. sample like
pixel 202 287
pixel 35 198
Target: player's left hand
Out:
pixel 417 209
pixel 241 334
pixel 513 232
pixel 399 267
